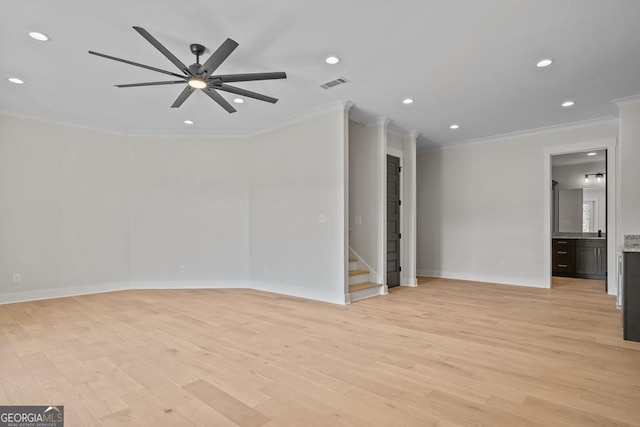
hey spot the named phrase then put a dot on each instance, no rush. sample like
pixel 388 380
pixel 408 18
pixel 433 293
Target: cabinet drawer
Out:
pixel 564 243
pixel 562 252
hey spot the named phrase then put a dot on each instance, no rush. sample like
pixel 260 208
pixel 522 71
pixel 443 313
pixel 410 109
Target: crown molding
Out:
pixel 524 133
pixel 73 125
pixel 401 132
pixel 627 100
pixel 341 105
pixel 378 121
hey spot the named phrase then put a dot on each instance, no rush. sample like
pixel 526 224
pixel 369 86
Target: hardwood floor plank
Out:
pixel 447 353
pixel 227 405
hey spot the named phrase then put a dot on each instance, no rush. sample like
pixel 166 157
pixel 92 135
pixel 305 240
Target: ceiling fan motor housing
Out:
pixel 197 49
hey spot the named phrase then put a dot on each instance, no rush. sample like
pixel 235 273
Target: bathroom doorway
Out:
pixel 579 220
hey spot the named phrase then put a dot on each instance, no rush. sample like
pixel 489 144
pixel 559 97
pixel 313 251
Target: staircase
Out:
pixel 360 286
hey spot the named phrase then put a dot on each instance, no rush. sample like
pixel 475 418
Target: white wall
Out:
pixel 296 209
pixel 365 148
pixel 189 207
pixel 87 211
pixel 64 222
pixel 481 206
pixel 629 170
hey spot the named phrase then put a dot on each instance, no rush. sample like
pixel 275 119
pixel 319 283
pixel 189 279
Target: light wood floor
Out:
pixel 446 353
pixel 571 283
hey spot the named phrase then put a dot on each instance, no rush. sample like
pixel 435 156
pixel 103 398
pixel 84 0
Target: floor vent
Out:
pixel 336 82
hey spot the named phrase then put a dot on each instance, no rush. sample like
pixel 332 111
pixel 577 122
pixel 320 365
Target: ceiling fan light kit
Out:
pixel 200 76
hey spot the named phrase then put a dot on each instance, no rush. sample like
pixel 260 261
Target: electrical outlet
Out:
pixel 17 278
pixel 182 268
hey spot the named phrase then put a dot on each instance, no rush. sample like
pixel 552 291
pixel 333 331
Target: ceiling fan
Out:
pixel 200 76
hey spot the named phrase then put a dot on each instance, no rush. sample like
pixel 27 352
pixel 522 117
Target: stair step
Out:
pixel 361 286
pixel 357 272
pixel 353 259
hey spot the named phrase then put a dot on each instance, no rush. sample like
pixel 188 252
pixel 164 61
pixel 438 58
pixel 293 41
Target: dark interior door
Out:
pixel 393 221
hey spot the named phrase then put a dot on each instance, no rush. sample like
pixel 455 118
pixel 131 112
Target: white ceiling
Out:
pixel 470 62
pixel 580 158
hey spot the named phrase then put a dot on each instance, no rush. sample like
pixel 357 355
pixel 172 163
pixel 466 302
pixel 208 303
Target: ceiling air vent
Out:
pixel 336 82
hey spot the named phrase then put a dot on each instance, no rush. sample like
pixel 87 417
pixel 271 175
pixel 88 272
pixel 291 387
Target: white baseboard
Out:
pixel 189 284
pixel 166 284
pixel 311 294
pixel 409 282
pixel 500 280
pixel 62 292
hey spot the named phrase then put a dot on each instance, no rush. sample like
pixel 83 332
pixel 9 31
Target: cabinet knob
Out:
pixel 562 265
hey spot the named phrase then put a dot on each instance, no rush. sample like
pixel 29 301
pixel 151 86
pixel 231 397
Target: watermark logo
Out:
pixel 31 416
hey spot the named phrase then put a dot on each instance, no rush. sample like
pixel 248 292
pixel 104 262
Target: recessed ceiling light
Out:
pixel 188 122
pixel 593 153
pixel 239 101
pixel 39 36
pixel 407 101
pixel 454 127
pixel 544 63
pixel 568 104
pixel 332 60
pixel 16 80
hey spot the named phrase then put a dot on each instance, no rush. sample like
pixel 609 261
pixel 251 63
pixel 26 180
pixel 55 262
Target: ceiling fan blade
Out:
pixel 247 93
pixel 136 64
pixel 183 96
pixel 226 78
pixel 219 99
pixel 170 56
pixel 172 82
pixel 217 58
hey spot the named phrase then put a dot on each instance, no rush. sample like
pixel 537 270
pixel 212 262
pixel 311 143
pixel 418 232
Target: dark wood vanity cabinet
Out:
pixel 582 258
pixel 591 259
pixel 564 257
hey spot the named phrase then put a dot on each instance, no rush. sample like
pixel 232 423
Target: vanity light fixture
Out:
pixel 599 177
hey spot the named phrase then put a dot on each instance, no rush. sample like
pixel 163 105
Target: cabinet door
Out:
pixel 586 260
pixel 602 261
pixel 631 300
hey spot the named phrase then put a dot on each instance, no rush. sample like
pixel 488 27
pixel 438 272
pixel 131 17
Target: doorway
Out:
pixel 393 221
pixel 579 220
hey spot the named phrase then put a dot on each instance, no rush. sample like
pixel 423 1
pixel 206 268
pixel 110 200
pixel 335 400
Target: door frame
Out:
pixel 612 207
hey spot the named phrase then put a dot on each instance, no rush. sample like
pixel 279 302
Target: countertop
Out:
pixel 578 236
pixel 631 243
